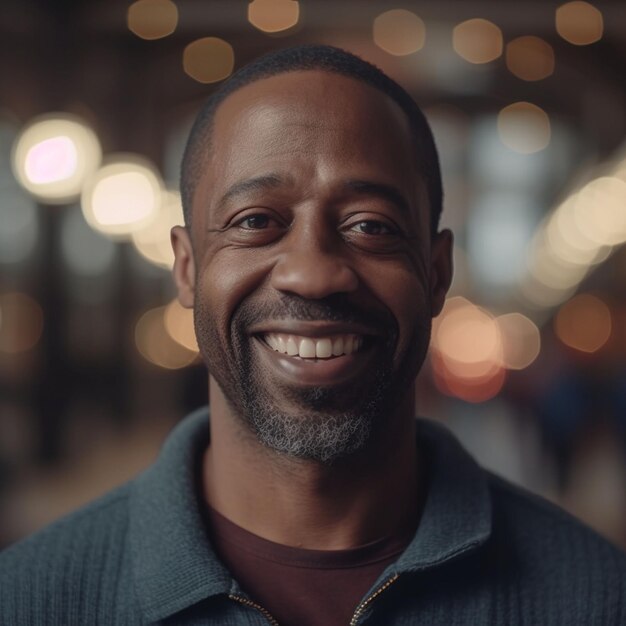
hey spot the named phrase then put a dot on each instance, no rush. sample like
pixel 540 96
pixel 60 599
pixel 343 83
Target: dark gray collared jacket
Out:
pixel 484 553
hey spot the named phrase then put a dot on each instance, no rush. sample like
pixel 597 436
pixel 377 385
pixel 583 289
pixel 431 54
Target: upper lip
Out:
pixel 313 329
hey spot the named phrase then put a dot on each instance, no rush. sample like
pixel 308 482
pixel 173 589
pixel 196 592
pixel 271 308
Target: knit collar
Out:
pixel 175 567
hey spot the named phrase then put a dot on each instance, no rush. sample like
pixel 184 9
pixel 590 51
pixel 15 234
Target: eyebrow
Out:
pixel 380 190
pixel 249 185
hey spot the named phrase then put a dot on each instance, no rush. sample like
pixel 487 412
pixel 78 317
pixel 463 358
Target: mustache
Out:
pixel 334 308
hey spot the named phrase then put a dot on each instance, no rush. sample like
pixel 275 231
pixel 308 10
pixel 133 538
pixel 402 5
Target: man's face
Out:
pixel 315 273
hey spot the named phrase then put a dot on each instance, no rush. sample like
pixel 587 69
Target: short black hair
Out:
pixel 312 57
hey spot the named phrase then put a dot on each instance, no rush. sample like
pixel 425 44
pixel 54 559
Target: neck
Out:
pixel 302 503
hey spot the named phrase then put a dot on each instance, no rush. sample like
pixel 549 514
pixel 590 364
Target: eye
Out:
pixel 373 227
pixel 255 222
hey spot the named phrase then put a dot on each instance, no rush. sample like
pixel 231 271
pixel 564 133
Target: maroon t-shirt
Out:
pixel 303 587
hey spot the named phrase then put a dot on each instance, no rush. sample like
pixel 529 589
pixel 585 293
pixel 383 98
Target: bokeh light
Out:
pixel 466 351
pixel 521 340
pixel 123 196
pixel 399 32
pixel 579 23
pixel 530 58
pixel 85 251
pixel 153 241
pixel 600 210
pixel 53 155
pixel 152 19
pixel 156 345
pixel 21 322
pixel 524 127
pixel 179 325
pixel 584 323
pixel 209 60
pixel 273 16
pixel 477 41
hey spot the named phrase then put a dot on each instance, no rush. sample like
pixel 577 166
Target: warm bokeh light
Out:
pixel 521 340
pixel 273 16
pixel 399 32
pixel 153 241
pixel 584 323
pixel 21 322
pixel 530 58
pixel 85 251
pixel 475 389
pixel 123 196
pixel 155 344
pixel 152 19
pixel 567 241
pixel 600 210
pixel 53 155
pixel 579 23
pixel 477 41
pixel 468 340
pixel 179 325
pixel 524 127
pixel 467 351
pixel 209 60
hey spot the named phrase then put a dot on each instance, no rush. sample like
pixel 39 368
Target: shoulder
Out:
pixel 74 565
pixel 550 550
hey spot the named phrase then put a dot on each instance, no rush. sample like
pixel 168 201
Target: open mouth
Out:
pixel 315 347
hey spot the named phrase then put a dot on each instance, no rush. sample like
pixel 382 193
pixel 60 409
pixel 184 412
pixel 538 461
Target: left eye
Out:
pixel 255 222
pixel 373 227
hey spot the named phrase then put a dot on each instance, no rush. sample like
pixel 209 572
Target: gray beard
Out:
pixel 320 431
pixel 326 424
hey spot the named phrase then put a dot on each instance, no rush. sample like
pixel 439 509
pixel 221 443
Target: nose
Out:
pixel 312 266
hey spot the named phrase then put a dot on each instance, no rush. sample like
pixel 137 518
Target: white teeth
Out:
pixel 348 345
pixel 338 346
pixel 323 348
pixel 281 344
pixel 292 348
pixel 307 348
pixel 310 348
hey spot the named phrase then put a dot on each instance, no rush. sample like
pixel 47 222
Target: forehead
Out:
pixel 308 100
pixel 316 124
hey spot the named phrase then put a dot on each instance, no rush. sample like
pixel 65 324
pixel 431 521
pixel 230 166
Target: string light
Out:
pixel 152 19
pixel 579 23
pixel 477 41
pixel 524 127
pixel 399 32
pixel 209 60
pixel 273 16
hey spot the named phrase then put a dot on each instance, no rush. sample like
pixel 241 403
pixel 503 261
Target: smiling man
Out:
pixel 311 495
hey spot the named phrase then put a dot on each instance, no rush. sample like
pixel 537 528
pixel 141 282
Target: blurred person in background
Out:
pixel 313 261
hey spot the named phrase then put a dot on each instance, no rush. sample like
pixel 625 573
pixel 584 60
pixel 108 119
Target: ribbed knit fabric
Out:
pixel 485 553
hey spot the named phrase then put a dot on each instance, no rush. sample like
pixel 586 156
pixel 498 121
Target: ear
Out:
pixel 184 271
pixel 440 269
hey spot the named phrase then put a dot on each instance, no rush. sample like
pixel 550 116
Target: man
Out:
pixel 313 261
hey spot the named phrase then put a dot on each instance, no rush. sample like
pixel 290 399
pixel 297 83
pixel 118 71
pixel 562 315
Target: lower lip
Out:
pixel 315 372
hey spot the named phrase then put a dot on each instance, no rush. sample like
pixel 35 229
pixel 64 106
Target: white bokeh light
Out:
pixel 123 196
pixel 53 155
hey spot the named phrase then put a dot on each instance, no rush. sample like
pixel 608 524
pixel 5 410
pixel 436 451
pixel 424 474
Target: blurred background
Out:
pixel 527 102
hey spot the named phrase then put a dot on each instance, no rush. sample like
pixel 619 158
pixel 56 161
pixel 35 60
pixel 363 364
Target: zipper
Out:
pixel 256 606
pixel 355 617
pixel 361 608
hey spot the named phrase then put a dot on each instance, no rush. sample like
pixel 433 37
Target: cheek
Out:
pixel 224 281
pixel 406 296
